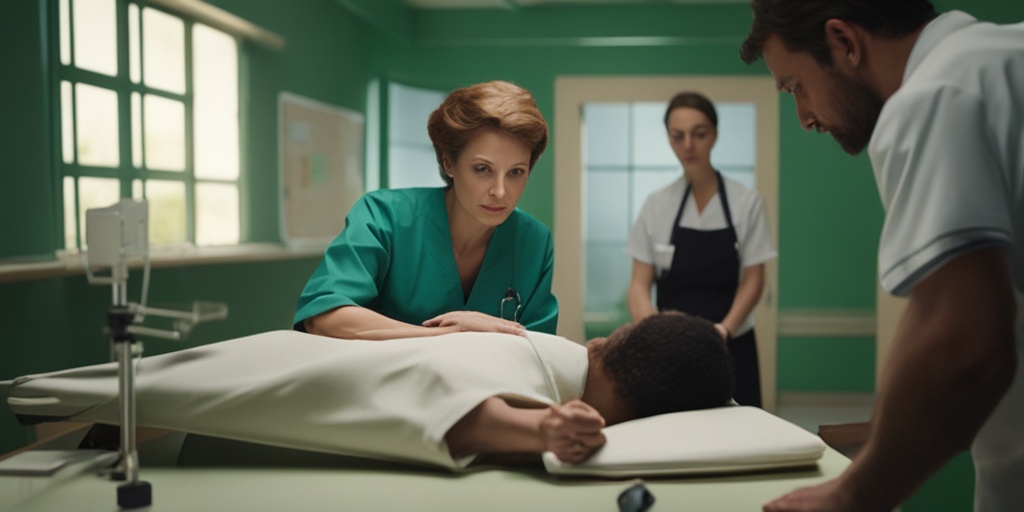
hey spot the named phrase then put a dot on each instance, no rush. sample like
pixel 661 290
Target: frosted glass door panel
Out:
pixel 735 146
pixel 650 140
pixel 607 206
pixel 606 283
pixel 627 157
pixel 606 134
pixel 646 183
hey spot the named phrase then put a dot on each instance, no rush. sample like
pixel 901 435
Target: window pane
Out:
pixel 650 141
pixel 70 231
pixel 215 104
pixel 412 166
pixel 216 214
pixel 607 134
pixel 65 33
pixel 67 125
pixel 408 112
pixel 163 51
pixel 96 128
pixel 95 193
pixel 95 25
pixel 164 133
pixel 607 206
pixel 136 130
pixel 134 53
pixel 166 212
pixel 411 158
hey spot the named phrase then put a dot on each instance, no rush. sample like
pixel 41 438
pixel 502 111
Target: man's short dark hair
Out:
pixel 670 362
pixel 801 23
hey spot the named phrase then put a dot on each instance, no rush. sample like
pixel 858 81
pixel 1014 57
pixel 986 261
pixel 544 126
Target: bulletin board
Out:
pixel 321 169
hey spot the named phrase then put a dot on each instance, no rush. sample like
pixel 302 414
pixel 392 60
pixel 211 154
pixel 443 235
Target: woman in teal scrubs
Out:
pixel 427 261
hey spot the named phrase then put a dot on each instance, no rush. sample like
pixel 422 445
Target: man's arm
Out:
pixel 571 430
pixel 951 361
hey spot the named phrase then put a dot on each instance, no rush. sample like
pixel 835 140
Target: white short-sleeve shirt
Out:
pixel 948 154
pixel 650 237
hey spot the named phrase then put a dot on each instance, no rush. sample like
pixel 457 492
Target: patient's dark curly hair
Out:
pixel 669 362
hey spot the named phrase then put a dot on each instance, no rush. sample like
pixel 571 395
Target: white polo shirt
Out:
pixel 650 237
pixel 948 154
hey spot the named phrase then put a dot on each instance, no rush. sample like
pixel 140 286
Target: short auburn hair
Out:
pixel 498 105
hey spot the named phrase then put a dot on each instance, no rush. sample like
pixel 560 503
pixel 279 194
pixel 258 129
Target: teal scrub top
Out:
pixel 395 256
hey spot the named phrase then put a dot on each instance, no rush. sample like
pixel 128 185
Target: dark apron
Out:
pixel 703 280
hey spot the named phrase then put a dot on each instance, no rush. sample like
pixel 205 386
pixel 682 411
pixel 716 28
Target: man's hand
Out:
pixel 828 496
pixel 572 431
pixel 476 322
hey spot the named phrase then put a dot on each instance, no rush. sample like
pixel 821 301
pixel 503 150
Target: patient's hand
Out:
pixel 476 322
pixel 572 431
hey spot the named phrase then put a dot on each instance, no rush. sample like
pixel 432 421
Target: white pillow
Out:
pixel 724 439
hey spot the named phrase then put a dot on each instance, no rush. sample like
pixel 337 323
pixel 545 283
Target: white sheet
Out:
pixel 297 390
pixel 391 400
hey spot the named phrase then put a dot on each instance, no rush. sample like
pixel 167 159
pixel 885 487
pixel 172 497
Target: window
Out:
pixel 149 109
pixel 412 161
pixel 627 157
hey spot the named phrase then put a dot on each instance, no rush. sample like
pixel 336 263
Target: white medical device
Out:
pixel 114 236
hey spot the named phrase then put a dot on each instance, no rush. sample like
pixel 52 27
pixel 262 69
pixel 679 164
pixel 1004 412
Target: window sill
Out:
pixel 70 264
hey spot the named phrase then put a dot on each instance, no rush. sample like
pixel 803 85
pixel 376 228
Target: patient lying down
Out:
pixel 665 363
pixel 439 401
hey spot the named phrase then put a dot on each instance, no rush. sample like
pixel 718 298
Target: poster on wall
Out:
pixel 321 169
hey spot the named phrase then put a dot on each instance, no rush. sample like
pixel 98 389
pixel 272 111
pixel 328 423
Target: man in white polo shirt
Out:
pixel 938 100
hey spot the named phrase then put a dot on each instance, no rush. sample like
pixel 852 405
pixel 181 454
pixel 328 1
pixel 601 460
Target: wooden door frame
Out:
pixel 571 93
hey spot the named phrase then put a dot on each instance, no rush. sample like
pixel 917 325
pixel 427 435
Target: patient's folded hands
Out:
pixel 572 431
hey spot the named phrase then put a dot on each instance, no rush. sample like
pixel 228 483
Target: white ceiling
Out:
pixel 512 4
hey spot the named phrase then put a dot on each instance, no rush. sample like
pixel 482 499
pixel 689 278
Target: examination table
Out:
pixel 198 473
pixel 242 461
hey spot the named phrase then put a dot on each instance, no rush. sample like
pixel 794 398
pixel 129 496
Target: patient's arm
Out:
pixel 359 323
pixel 571 430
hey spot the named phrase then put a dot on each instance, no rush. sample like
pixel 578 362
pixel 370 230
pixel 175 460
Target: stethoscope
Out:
pixel 511 296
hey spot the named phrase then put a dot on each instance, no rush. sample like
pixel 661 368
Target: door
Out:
pixel 571 95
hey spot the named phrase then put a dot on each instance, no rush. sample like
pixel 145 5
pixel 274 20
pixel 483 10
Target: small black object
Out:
pixel 635 499
pixel 134 495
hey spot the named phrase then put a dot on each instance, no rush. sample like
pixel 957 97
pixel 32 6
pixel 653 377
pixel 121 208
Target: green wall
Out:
pixel 829 213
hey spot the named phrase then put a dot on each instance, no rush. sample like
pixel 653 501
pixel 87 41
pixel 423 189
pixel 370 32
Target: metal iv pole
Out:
pixel 114 234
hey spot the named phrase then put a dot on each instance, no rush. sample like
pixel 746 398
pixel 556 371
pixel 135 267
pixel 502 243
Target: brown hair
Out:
pixel 696 101
pixel 497 105
pixel 800 24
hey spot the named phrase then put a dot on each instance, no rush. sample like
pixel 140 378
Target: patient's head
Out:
pixel 667 362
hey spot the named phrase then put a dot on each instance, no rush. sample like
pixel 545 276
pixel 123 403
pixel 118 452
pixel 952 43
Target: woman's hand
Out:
pixel 572 431
pixel 724 331
pixel 476 322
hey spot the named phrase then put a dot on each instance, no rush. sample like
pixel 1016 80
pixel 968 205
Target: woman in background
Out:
pixel 704 240
pixel 426 261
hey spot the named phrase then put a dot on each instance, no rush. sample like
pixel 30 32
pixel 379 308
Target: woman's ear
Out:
pixel 447 166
